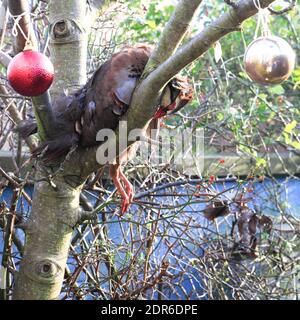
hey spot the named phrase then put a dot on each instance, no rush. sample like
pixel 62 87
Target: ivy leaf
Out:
pixel 216 209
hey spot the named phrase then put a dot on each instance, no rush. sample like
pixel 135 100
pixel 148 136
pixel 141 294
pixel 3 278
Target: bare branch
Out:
pixel 174 31
pixel 43 114
pixel 228 22
pixel 4 58
pixel 231 3
pixel 15 114
pixel 70 25
pixel 16 8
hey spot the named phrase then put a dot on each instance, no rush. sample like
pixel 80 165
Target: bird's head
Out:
pixel 176 94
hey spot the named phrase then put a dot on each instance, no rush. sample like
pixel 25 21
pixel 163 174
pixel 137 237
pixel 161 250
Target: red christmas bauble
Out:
pixel 30 73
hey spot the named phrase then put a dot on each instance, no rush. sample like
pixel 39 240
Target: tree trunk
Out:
pixel 56 203
pixel 68 44
pixel 54 213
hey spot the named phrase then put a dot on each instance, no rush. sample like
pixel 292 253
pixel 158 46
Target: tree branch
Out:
pixel 143 102
pixel 4 59
pixel 231 3
pixel 174 32
pixel 43 114
pixel 15 114
pixel 68 38
pixel 16 8
pixel 145 96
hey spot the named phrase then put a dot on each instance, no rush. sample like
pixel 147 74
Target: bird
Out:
pixel 101 104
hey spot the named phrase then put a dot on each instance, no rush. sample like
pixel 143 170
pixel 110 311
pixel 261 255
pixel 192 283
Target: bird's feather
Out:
pixel 102 102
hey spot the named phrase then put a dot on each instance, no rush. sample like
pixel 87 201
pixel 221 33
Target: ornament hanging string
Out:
pixel 262 21
pixel 16 28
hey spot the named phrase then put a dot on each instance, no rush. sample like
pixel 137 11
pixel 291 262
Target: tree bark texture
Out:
pixel 68 44
pixel 54 213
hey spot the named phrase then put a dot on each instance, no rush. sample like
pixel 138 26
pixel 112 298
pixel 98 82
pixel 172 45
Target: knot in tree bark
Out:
pixel 45 271
pixel 65 30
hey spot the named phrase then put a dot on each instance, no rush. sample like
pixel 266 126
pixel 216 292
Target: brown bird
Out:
pixel 100 104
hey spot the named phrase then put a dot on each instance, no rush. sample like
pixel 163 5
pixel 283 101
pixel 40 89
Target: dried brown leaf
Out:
pixel 216 209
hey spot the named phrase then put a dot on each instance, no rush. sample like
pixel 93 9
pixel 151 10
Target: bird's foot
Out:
pixel 124 188
pixel 127 196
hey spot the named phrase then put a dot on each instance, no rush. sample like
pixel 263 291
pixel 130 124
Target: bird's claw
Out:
pixel 124 188
pixel 127 199
pixel 127 194
pixel 124 206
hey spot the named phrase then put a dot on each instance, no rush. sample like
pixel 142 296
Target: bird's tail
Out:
pixel 52 149
pixel 26 128
pixel 57 147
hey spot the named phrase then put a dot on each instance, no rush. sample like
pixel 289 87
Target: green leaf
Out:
pixel 296 72
pixel 295 144
pixel 220 116
pixel 290 126
pixel 260 162
pixel 263 96
pixel 243 75
pixel 151 24
pixel 278 90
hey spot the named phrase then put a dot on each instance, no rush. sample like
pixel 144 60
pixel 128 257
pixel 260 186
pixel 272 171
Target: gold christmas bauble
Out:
pixel 269 60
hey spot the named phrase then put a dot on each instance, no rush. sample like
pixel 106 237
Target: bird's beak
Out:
pixel 175 96
pixel 182 93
